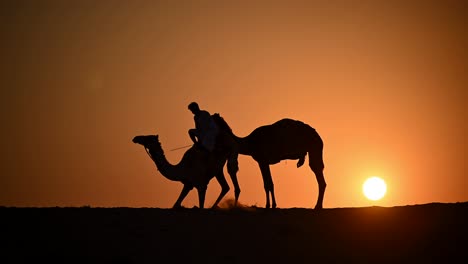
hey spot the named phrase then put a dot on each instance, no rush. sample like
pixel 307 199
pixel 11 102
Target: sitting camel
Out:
pixel 284 139
pixel 196 168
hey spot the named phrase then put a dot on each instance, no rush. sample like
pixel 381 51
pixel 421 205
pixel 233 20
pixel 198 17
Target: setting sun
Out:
pixel 374 188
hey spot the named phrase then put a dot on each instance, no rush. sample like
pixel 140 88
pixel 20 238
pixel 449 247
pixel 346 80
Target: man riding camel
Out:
pixel 206 130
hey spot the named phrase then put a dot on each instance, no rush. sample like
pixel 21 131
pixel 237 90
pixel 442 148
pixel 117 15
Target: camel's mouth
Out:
pixel 145 140
pixel 137 140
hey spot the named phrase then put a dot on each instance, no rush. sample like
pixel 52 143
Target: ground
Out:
pixel 424 233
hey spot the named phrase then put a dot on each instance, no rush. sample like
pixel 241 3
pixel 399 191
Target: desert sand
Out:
pixel 426 233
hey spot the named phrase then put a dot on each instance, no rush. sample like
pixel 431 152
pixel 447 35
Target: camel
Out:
pixel 196 168
pixel 284 139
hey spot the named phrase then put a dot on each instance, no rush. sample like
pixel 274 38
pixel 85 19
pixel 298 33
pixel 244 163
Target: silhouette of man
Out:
pixel 205 130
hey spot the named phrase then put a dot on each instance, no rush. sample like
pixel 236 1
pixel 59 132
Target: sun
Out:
pixel 374 188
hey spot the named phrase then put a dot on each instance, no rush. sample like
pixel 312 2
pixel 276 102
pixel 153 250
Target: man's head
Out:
pixel 193 106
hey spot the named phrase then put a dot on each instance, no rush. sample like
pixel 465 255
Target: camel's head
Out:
pixel 149 141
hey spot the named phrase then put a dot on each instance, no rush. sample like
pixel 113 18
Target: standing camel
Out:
pixel 284 139
pixel 196 168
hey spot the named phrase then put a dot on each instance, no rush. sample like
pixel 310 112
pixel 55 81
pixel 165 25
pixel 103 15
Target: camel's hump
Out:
pixel 288 122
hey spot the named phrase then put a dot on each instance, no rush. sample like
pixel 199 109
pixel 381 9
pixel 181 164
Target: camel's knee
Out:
pixel 232 166
pixel 225 189
pixel 320 177
pixel 232 170
pixel 192 131
pixel 321 182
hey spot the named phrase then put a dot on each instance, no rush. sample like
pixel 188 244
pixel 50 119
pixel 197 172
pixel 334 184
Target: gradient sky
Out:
pixel 383 82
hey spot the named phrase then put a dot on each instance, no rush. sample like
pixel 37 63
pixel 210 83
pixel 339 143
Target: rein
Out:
pixel 182 147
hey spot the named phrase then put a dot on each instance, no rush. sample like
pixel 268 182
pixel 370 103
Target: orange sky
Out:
pixel 384 84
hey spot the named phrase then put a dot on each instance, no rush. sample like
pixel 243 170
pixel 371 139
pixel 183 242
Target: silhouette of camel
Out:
pixel 196 168
pixel 284 139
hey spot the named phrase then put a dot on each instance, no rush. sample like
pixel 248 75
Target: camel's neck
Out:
pixel 169 171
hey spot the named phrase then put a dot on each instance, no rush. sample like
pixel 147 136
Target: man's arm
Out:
pixel 193 136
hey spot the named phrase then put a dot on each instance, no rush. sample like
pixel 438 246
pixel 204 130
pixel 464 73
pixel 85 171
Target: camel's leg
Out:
pixel 232 168
pixel 224 187
pixel 316 164
pixel 233 165
pixel 182 196
pixel 322 185
pixel 201 196
pixel 268 184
